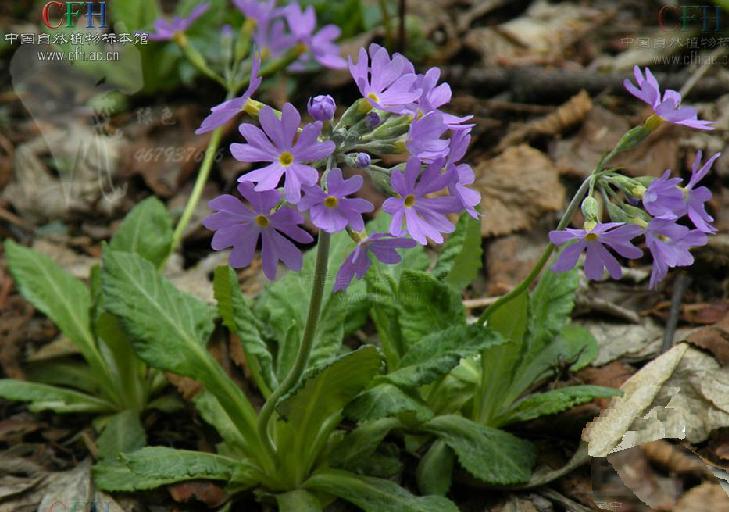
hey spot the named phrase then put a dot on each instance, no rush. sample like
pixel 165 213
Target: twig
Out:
pixel 479 303
pixel 679 288
pixel 568 504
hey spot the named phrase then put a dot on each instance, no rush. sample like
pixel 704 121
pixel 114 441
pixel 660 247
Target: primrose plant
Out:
pixel 112 383
pixel 293 450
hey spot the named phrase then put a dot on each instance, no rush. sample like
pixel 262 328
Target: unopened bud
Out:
pixel 322 108
pixel 362 160
pixel 591 209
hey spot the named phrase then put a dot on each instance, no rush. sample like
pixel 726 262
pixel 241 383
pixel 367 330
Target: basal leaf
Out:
pixel 214 414
pixel 123 433
pixel 238 316
pixel 42 397
pixel 550 305
pixel 426 306
pixel 554 401
pixel 60 296
pixel 360 443
pixel 489 454
pixel 375 494
pixel 439 352
pixel 170 329
pixel 434 473
pixel 298 500
pixel 460 260
pixel 146 230
pixel 152 467
pixel 386 400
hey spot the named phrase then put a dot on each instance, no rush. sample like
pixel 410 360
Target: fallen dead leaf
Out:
pixel 714 338
pixel 707 497
pixel 510 258
pixel 683 394
pixel 625 341
pixel 205 492
pixel 635 471
pixel 518 187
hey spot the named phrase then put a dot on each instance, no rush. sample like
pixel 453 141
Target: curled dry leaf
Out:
pixel 518 188
pixel 683 394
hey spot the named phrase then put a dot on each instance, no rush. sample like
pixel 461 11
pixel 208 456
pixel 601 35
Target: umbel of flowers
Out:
pixel 301 172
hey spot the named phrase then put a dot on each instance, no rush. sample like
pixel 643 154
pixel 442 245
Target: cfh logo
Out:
pixel 707 18
pixel 54 13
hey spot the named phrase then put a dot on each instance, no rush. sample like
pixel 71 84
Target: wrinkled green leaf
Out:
pixel 153 467
pixel 146 230
pixel 434 473
pixel 374 494
pixel 43 397
pixel 460 260
pixel 438 353
pixel 59 295
pixel 123 433
pixel 550 305
pixel 214 414
pixel 489 454
pixel 360 443
pixel 426 306
pixel 238 316
pixel 386 400
pixel 554 401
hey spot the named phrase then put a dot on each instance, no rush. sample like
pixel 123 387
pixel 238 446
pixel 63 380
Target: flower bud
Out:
pixel 591 209
pixel 362 160
pixel 372 120
pixel 322 107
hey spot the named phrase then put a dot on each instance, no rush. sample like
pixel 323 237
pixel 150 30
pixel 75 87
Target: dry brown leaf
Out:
pixel 714 338
pixel 674 458
pixel 635 471
pixel 518 187
pixel 707 497
pixel 509 259
pixel 625 341
pixel 683 394
pixel 205 492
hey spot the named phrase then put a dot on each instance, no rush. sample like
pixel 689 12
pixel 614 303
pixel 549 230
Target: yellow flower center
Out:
pixel 265 52
pixel 286 158
pixel 331 202
pixel 591 237
pixel 262 221
pixel 409 200
pixel 374 97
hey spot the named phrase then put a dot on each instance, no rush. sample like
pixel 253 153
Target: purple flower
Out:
pixel 663 198
pixel 324 50
pixel 272 39
pixel 372 120
pixel 165 30
pixel 332 210
pixel 275 144
pixel 259 11
pixel 468 197
pixel 434 96
pixel 669 244
pixel 615 235
pixel 362 160
pixel 387 83
pixel 424 217
pixel 424 137
pixel 696 197
pixel 322 107
pixel 241 226
pixel 221 114
pixel 384 246
pixel 667 107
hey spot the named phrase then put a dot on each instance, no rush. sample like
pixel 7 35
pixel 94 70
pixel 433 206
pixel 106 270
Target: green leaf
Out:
pixel 64 373
pixel 132 15
pixel 434 473
pixel 554 401
pixel 574 347
pixel 43 397
pixel 460 259
pixel 298 501
pixel 214 414
pixel 123 433
pixel 153 467
pixel 386 400
pixel 60 296
pixel 489 454
pixel 426 306
pixel 550 306
pixel 311 410
pixel 146 230
pixel 360 443
pixel 374 494
pixel 238 316
pixel 170 329
pixel 438 353
pixel 499 363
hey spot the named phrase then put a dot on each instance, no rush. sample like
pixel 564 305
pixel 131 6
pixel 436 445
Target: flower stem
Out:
pixel 294 375
pixel 528 280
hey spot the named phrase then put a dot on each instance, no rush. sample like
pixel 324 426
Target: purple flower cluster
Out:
pixel 302 167
pixel 165 30
pixel 669 243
